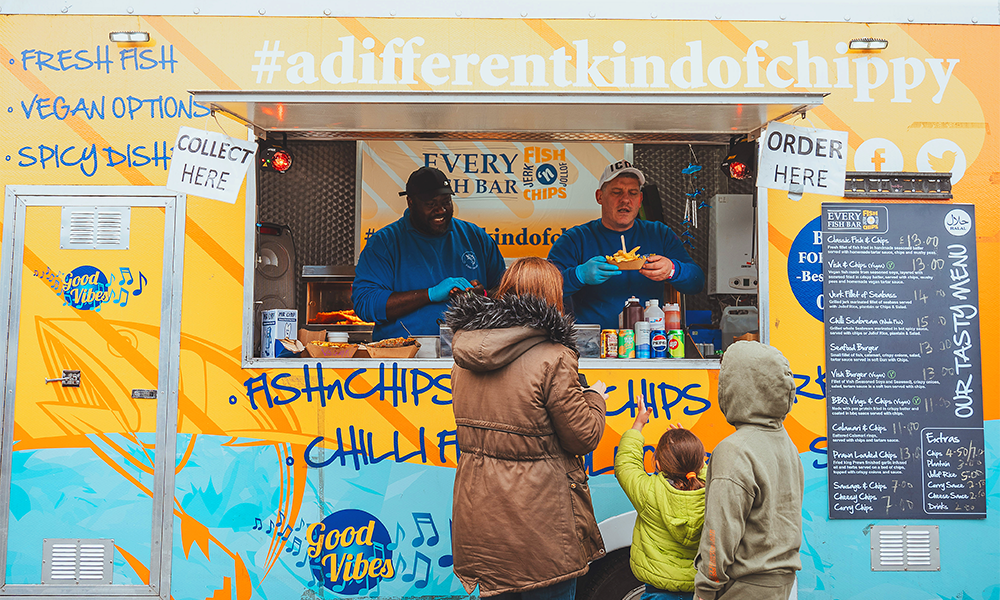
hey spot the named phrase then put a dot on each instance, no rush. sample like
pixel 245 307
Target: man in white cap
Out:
pixel 599 289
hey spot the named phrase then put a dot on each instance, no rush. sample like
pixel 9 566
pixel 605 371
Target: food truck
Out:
pixel 186 452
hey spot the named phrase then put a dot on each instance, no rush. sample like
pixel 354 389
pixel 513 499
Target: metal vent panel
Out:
pixel 78 561
pixel 95 227
pixel 905 548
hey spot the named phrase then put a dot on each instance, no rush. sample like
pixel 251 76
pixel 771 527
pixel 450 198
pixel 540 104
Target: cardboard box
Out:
pixel 338 351
pixel 401 352
pixel 277 324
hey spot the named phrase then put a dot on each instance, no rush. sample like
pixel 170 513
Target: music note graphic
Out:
pixel 270 528
pixel 420 558
pixel 447 560
pixel 400 536
pixel 123 296
pixel 142 281
pixel 426 519
pixel 124 271
pixel 257 524
pixel 295 547
pixel 281 520
pixel 286 532
pixel 302 523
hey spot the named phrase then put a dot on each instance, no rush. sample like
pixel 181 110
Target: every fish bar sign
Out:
pixel 209 164
pixel 801 159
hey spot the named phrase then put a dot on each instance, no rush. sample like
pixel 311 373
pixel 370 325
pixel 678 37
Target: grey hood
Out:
pixel 756 386
pixel 490 333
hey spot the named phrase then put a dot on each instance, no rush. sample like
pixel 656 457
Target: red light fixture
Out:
pixel 275 157
pixel 739 160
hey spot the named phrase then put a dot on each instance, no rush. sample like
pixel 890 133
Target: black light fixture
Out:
pixel 739 161
pixel 276 157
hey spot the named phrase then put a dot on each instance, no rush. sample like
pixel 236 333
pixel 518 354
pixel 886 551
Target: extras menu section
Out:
pixel 904 388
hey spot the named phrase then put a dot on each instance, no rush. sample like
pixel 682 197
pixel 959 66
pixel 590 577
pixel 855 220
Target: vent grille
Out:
pixel 95 227
pixel 905 548
pixel 83 562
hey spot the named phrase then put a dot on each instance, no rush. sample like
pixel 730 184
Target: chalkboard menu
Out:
pixel 903 383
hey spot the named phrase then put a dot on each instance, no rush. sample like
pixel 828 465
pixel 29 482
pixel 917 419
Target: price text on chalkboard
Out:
pixel 904 386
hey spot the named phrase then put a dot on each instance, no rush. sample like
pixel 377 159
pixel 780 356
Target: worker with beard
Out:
pixel 409 268
pixel 598 289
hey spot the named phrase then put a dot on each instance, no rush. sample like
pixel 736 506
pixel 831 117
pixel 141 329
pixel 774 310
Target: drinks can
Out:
pixel 658 343
pixel 642 349
pixel 675 343
pixel 609 343
pixel 626 343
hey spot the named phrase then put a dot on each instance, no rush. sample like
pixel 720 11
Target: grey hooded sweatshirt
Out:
pixel 753 502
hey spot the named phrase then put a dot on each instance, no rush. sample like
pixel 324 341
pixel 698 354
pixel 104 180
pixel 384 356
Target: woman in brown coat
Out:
pixel 523 523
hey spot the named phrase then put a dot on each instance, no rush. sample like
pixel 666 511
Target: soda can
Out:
pixel 642 339
pixel 609 343
pixel 675 343
pixel 658 343
pixel 626 343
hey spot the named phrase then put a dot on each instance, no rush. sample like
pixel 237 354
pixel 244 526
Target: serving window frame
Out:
pixel 625 117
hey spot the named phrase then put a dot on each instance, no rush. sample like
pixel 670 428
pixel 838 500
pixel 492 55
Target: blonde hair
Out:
pixel 535 276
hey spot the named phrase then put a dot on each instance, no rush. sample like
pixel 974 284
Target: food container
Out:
pixel 331 350
pixel 632 265
pixel 337 336
pixel 588 340
pixel 398 352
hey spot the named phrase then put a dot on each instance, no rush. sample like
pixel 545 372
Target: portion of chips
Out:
pixel 333 344
pixel 622 257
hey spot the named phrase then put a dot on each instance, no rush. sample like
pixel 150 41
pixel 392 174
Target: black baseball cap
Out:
pixel 427 182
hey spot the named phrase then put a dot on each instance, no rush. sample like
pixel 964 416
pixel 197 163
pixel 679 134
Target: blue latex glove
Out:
pixel 439 293
pixel 596 271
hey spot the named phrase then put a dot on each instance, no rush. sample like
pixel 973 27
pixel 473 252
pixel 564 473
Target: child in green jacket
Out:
pixel 670 506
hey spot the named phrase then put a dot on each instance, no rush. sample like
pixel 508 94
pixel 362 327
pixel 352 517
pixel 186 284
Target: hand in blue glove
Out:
pixel 439 293
pixel 596 271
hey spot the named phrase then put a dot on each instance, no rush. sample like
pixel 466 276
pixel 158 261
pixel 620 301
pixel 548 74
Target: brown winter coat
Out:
pixel 522 514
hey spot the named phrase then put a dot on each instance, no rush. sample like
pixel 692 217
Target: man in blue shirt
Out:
pixel 409 268
pixel 598 289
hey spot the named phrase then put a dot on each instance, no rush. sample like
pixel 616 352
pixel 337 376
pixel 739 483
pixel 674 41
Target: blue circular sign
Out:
pixel 85 288
pixel 349 552
pixel 546 174
pixel 805 268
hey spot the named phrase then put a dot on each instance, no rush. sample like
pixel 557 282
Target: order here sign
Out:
pixel 801 160
pixel 209 164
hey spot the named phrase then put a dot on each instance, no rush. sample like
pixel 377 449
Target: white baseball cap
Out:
pixel 617 168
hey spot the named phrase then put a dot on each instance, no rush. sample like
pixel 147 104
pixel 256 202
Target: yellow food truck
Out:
pixel 243 437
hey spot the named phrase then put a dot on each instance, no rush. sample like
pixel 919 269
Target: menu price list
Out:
pixel 904 402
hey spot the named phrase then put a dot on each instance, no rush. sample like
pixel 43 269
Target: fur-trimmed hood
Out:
pixel 491 332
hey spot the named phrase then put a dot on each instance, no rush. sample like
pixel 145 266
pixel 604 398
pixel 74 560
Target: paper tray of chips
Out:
pixel 631 265
pixel 397 352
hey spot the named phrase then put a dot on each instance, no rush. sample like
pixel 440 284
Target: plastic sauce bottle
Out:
pixel 671 317
pixel 632 313
pixel 654 314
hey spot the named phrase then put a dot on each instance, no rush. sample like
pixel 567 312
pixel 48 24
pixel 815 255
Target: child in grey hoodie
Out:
pixel 753 503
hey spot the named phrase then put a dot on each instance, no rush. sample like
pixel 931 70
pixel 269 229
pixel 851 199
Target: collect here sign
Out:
pixel 208 164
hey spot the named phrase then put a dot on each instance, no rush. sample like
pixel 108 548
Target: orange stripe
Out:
pixel 359 31
pixel 552 38
pixel 192 53
pixel 739 39
pixel 778 240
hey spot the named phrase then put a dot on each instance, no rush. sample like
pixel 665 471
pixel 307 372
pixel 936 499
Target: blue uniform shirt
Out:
pixel 398 258
pixel 602 303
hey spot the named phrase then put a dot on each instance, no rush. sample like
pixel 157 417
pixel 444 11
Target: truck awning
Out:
pixel 476 115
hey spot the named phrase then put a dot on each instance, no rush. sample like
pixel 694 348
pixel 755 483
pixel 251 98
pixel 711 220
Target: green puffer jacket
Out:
pixel 668 526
